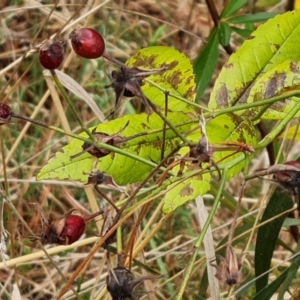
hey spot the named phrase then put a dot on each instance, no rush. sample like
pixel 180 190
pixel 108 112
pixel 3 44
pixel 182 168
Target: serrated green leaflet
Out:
pixel 230 128
pixel 232 7
pixel 122 168
pixel 225 128
pixel 178 79
pixel 184 191
pixel 205 63
pixel 270 45
pixel 284 77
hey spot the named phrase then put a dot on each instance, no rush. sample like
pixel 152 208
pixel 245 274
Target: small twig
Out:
pixel 216 18
pixel 164 128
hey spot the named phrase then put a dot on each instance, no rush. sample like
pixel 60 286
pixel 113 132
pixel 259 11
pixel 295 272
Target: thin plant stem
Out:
pixel 201 235
pixel 231 109
pixel 279 128
pixel 162 116
pixel 97 144
pixel 191 103
pixel 216 18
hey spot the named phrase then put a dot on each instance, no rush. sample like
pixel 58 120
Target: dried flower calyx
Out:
pixel 286 175
pixel 120 283
pixel 102 137
pixel 128 81
pixel 229 271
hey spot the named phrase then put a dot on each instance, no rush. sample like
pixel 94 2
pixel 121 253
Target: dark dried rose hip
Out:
pixel 51 54
pixel 87 43
pixel 5 113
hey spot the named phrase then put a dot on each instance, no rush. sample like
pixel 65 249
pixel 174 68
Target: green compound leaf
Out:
pixel 252 18
pixel 122 168
pixel 284 77
pixel 225 128
pixel 179 79
pixel 206 63
pixel 184 191
pixel 224 33
pixel 270 45
pixel 231 128
pixel 232 6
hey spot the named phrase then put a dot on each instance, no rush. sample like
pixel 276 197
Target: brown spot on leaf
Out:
pixel 189 80
pixel 243 92
pixel 222 96
pixel 186 191
pixel 274 84
pixel 189 93
pixel 170 65
pixel 276 46
pixel 157 145
pixel 175 79
pixel 294 67
pixel 145 126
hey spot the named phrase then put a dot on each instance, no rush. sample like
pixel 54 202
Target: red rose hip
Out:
pixel 5 113
pixel 87 42
pixel 73 229
pixel 51 54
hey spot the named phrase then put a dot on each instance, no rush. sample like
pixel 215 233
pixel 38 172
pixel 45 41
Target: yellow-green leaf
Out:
pixel 179 79
pixel 225 128
pixel 284 77
pixel 270 45
pixel 183 191
pixel 122 168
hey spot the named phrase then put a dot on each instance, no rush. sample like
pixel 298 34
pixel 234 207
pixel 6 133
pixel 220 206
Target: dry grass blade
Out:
pixel 209 249
pixel 69 83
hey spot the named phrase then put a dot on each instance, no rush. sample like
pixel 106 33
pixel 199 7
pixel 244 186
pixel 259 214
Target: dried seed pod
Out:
pixel 120 283
pixel 128 81
pixel 97 177
pixel 102 137
pixel 5 113
pixel 289 179
pixel 95 151
pixel 229 271
pixel 285 175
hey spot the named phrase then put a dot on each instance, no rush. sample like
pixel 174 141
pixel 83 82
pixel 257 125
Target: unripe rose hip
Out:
pixel 87 43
